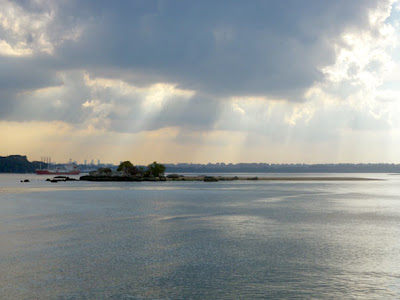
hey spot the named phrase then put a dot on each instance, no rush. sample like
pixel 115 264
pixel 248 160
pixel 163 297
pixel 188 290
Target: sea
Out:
pixel 200 240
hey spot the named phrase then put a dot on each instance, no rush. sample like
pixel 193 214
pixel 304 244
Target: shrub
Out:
pixel 156 169
pixel 124 165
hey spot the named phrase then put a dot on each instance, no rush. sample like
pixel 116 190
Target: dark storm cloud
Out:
pixel 22 73
pixel 218 48
pixel 222 47
pixel 17 76
pixel 53 99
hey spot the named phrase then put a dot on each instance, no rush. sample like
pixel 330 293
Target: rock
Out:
pixel 64 178
pixel 60 178
pixel 210 179
pixel 173 176
pixel 97 178
pixel 70 179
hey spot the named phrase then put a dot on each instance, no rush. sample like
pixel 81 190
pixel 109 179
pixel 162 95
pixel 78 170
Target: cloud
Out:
pixel 223 49
pixel 266 48
pixel 34 27
pixel 269 72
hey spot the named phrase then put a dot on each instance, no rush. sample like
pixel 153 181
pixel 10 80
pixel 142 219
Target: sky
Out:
pixel 274 81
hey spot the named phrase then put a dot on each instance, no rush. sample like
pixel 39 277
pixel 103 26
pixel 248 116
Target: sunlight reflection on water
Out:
pixel 199 240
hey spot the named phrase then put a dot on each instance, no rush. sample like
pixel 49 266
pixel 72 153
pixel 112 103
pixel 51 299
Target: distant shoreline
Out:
pixel 20 164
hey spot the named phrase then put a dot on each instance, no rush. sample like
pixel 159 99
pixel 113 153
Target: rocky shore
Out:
pixel 99 176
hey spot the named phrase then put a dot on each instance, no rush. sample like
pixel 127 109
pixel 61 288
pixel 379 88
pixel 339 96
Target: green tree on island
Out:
pixel 156 169
pixel 124 165
pixel 128 168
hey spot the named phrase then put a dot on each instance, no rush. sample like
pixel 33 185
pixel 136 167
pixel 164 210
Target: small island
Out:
pixel 126 171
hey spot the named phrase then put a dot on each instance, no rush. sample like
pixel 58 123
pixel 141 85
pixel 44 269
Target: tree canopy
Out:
pixel 156 169
pixel 124 165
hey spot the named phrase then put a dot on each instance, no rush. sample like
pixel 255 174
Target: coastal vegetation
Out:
pixel 126 171
pixel 125 166
pixel 156 169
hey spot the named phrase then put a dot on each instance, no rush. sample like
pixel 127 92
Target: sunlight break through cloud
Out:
pixel 271 81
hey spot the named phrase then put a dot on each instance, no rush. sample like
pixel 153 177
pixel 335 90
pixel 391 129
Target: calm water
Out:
pixel 225 240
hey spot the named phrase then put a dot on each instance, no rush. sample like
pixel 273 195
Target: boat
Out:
pixel 65 170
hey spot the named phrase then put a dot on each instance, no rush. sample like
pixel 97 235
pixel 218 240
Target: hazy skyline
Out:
pixel 201 81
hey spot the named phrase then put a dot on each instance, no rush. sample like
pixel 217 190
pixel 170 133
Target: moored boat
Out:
pixel 66 170
pixel 57 172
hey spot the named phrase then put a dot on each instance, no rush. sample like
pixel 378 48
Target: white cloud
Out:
pixel 25 33
pixel 19 49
